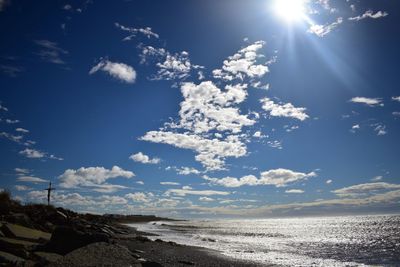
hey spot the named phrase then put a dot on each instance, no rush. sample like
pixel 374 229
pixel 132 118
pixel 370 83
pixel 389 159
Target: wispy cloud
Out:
pixel 50 51
pixel 184 192
pixel 12 71
pixel 147 31
pixel 370 14
pixel 294 191
pixel 372 102
pixel 322 30
pixel 120 71
pixel 31 179
pixel 364 189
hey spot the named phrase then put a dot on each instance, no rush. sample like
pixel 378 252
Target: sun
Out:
pixel 290 10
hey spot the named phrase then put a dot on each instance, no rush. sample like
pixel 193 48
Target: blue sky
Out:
pixel 202 108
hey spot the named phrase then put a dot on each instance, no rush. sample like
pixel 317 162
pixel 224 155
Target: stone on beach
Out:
pixel 98 254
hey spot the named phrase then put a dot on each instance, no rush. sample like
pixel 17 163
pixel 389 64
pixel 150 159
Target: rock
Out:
pixel 16 246
pixel 142 238
pixel 11 259
pixel 186 262
pixel 44 258
pixel 98 254
pixel 21 232
pixel 66 239
pixel 151 264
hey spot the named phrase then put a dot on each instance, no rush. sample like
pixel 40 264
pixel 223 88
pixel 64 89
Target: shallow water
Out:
pixel 322 241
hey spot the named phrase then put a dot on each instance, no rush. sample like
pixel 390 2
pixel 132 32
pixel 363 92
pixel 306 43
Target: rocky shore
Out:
pixel 40 235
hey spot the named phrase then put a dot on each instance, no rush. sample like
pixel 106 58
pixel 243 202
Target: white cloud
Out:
pixel 364 189
pixel 377 178
pixel 396 98
pixel 243 64
pixel 183 192
pixel 142 158
pixel 9 121
pixel 3 108
pixel 140 197
pixel 294 191
pixel 370 14
pixel 322 30
pixel 50 52
pixel 175 66
pixel 22 188
pixel 22 130
pixel 277 177
pixel 32 153
pixel 120 71
pixel 206 107
pixel 21 171
pixel 283 110
pixel 328 181
pixel 206 199
pixel 147 31
pixel 187 171
pixel 140 182
pixel 94 177
pixel 372 102
pixel 31 179
pixel 169 183
pixel 151 52
pixel 12 137
pixel 396 113
pixel 380 129
pixel 258 134
pixel 211 152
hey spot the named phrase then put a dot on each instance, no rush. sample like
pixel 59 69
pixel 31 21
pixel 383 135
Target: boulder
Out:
pixel 44 258
pixel 16 246
pixel 11 259
pixel 21 232
pixel 98 254
pixel 66 239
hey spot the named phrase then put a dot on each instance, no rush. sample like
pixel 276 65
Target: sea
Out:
pixel 315 241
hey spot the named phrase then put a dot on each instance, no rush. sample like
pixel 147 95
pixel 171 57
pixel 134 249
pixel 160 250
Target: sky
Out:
pixel 202 109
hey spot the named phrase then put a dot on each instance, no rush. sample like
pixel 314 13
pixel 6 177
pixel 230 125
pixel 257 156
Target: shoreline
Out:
pixel 173 254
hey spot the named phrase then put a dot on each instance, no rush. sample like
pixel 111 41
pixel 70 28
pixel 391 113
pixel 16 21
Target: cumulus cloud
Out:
pixel 187 171
pixel 277 177
pixel 147 31
pixel 120 71
pixel 364 189
pixel 32 153
pixel 370 14
pixel 283 110
pixel 94 177
pixel 142 158
pixel 294 191
pixel 372 102
pixel 243 64
pixel 50 51
pixel 205 107
pixel 140 197
pixel 211 152
pixel 183 192
pixel 322 30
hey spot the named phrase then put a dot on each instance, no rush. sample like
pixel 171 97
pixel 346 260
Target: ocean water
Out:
pixel 321 241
